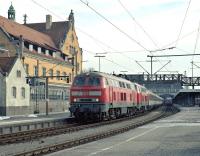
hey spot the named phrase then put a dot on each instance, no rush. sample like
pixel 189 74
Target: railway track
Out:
pixel 46 132
pixel 98 135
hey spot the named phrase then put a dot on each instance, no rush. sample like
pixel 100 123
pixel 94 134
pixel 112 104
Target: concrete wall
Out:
pixel 18 105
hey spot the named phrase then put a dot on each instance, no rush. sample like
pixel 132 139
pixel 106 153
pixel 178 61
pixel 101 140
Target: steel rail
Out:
pixel 96 136
pixel 46 132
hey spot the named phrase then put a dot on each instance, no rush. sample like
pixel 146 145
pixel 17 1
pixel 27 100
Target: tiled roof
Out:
pixel 6 64
pixel 28 34
pixel 57 31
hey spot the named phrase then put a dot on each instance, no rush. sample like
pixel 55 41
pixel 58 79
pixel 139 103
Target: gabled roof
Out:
pixel 6 64
pixel 28 34
pixel 57 31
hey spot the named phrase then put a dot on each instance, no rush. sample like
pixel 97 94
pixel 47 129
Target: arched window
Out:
pixel 14 92
pixel 23 92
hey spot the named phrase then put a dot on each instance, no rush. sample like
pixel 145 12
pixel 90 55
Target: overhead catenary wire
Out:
pixel 141 27
pixel 46 9
pixel 87 4
pixel 93 53
pixel 120 30
pixel 195 46
pixel 82 31
pixel 196 41
pixel 179 34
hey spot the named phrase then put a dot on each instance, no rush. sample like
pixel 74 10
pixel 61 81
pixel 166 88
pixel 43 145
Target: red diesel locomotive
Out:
pixel 96 95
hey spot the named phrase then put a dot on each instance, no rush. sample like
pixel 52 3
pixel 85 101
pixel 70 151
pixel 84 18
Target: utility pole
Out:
pixel 99 56
pixel 82 64
pixel 192 73
pixel 47 95
pixel 151 67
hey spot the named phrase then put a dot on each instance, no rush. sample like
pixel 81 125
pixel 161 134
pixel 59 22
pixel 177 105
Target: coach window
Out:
pixel 122 97
pixel 114 96
pixel 106 81
pixel 120 84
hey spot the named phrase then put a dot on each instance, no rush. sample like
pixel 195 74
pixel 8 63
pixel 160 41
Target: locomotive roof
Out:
pixel 94 73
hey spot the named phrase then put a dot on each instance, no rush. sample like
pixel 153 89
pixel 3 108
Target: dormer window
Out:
pixel 39 50
pixel 54 54
pixel 30 47
pixel 66 58
pixel 47 52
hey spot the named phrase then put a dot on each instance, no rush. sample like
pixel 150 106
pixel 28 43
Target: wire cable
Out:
pixel 183 23
pixel 120 30
pixel 108 60
pixel 133 18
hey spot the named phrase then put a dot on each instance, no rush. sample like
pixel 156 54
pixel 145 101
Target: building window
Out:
pixel 70 77
pixel 44 71
pixel 65 74
pixel 51 73
pixel 58 74
pixel 14 92
pixel 23 92
pixel 18 73
pixel 26 66
pixel 35 71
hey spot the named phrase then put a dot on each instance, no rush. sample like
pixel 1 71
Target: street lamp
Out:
pixel 82 65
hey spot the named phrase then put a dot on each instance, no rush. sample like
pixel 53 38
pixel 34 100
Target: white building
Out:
pixel 14 91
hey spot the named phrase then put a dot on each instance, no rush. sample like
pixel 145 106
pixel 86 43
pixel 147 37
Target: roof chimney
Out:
pixel 48 22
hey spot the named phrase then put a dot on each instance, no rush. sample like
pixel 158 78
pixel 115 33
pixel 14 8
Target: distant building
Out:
pixel 14 92
pixel 47 49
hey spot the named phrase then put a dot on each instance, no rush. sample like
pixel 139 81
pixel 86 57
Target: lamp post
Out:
pixel 100 56
pixel 82 65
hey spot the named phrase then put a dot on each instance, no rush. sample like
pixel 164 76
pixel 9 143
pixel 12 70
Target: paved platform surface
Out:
pixel 177 135
pixel 32 118
pixel 30 122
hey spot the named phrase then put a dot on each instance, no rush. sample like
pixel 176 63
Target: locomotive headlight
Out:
pixel 97 100
pixel 75 99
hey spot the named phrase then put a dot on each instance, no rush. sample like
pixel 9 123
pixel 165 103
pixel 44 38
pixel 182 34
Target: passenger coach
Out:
pixel 96 95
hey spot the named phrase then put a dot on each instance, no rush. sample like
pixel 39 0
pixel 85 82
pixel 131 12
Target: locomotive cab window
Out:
pixel 79 81
pixel 94 81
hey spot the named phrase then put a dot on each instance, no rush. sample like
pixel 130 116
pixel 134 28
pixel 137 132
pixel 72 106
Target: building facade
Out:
pixel 14 91
pixel 45 49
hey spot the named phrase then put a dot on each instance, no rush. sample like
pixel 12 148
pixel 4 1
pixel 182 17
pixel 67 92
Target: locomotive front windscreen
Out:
pixel 87 81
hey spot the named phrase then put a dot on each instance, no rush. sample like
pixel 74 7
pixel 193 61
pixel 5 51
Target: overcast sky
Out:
pixel 140 26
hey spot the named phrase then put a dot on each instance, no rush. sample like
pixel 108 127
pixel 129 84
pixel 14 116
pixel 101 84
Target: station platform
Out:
pixel 15 124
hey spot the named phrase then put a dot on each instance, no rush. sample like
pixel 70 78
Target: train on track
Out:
pixel 96 95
